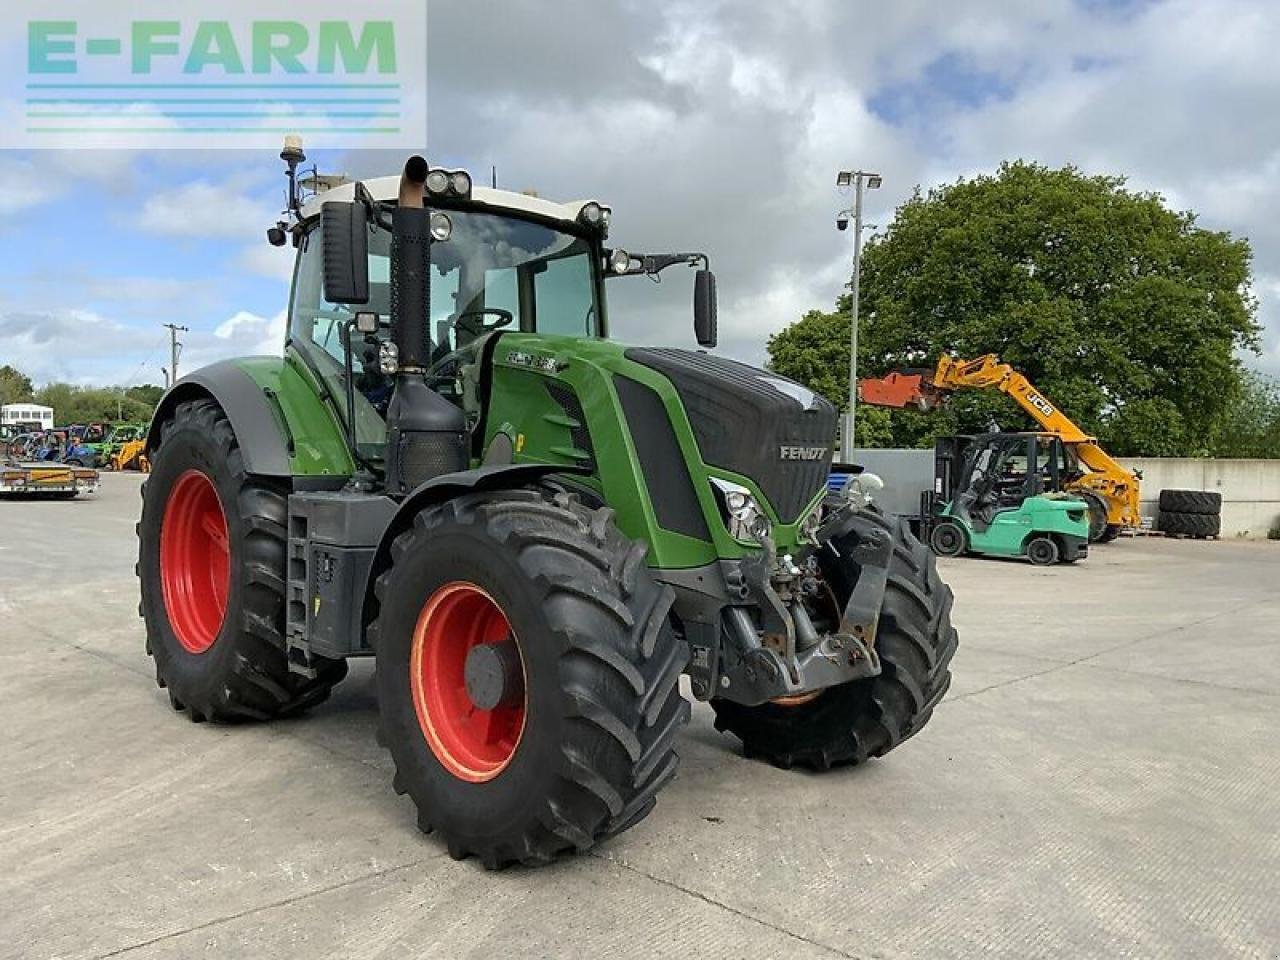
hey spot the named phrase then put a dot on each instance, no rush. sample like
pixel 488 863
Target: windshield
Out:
pixel 494 273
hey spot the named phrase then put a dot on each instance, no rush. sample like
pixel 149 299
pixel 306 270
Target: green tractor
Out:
pixel 533 529
pixel 990 498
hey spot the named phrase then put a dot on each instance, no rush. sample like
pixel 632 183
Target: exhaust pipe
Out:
pixel 427 435
pixel 413 184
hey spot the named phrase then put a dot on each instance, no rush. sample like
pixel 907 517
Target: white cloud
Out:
pixel 264 260
pixel 83 347
pixel 255 334
pixel 203 209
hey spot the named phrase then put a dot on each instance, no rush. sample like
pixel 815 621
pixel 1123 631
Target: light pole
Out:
pixel 871 181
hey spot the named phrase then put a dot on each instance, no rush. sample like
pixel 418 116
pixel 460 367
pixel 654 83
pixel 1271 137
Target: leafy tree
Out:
pixel 1125 313
pixel 15 386
pixel 73 404
pixel 1251 428
pixel 147 393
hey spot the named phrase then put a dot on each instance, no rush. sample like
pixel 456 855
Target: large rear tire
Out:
pixel 528 676
pixel 1098 511
pixel 856 721
pixel 211 561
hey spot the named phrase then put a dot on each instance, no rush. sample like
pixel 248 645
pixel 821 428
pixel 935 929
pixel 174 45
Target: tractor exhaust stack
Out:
pixel 426 433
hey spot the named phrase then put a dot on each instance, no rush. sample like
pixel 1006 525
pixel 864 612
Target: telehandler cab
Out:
pixel 533 529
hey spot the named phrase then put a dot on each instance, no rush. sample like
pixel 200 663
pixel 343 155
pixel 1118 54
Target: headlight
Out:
pixel 437 182
pixel 619 261
pixel 592 214
pixel 460 183
pixel 441 227
pixel 809 528
pixel 742 516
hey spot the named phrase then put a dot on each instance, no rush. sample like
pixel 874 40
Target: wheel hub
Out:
pixel 195 561
pixel 493 675
pixel 466 673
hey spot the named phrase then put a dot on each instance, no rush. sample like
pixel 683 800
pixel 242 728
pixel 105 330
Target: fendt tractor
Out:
pixel 533 529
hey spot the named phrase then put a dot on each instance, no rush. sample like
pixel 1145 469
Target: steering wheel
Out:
pixel 505 317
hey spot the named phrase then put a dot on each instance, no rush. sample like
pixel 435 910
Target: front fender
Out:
pixel 505 476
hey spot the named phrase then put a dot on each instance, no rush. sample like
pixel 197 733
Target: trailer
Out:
pixel 57 481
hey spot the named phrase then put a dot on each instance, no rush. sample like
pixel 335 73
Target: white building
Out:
pixel 13 414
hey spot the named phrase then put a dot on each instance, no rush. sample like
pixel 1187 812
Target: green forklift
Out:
pixel 534 530
pixel 999 495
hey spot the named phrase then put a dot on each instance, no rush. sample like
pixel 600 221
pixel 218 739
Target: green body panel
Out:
pixel 1011 529
pixel 522 408
pixel 319 443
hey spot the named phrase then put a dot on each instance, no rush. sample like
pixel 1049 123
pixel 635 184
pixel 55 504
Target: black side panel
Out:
pixel 753 422
pixel 254 417
pixel 666 474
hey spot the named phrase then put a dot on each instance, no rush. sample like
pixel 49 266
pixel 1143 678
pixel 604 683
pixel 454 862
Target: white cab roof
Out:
pixel 388 188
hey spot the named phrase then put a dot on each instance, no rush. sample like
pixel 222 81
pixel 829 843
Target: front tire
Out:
pixel 572 742
pixel 211 561
pixel 854 722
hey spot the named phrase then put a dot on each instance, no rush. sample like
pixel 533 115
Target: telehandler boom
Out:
pixel 1112 491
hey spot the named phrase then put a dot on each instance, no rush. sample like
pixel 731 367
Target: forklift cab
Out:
pixel 986 475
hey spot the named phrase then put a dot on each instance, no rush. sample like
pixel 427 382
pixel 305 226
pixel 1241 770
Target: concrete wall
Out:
pixel 906 474
pixel 1250 488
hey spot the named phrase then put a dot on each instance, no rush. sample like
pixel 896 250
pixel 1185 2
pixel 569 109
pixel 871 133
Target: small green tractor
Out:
pixel 533 529
pixel 998 494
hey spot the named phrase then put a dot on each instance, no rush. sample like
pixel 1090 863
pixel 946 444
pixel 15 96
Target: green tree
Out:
pixel 74 404
pixel 147 393
pixel 15 386
pixel 1251 428
pixel 1125 313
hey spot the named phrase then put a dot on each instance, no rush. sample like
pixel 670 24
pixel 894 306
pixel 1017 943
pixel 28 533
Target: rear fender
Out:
pixel 253 419
pixel 284 428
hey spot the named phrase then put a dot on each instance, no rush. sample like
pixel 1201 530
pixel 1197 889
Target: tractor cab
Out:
pixel 497 262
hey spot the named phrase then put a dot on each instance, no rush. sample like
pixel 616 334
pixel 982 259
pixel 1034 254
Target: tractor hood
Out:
pixel 753 423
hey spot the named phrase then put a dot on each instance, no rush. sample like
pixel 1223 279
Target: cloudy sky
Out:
pixel 709 124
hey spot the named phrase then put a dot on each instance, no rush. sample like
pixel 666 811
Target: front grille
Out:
pixel 743 418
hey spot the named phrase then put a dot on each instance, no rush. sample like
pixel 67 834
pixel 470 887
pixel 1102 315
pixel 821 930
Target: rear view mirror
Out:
pixel 704 308
pixel 346 252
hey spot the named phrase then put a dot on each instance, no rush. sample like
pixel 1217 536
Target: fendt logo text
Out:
pixel 140 74
pixel 803 453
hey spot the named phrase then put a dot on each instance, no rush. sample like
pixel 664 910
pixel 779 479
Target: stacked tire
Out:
pixel 1191 513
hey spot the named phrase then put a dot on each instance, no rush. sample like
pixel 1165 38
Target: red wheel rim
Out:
pixel 473 744
pixel 195 561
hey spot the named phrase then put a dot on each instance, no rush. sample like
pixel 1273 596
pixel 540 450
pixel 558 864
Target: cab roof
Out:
pixel 388 188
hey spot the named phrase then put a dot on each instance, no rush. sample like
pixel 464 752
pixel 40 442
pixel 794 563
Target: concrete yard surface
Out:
pixel 1102 781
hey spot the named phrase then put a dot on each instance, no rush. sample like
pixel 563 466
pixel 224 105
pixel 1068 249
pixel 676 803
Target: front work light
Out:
pixel 441 227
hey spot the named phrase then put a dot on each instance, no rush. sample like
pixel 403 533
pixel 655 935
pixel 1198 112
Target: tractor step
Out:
pixel 332 540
